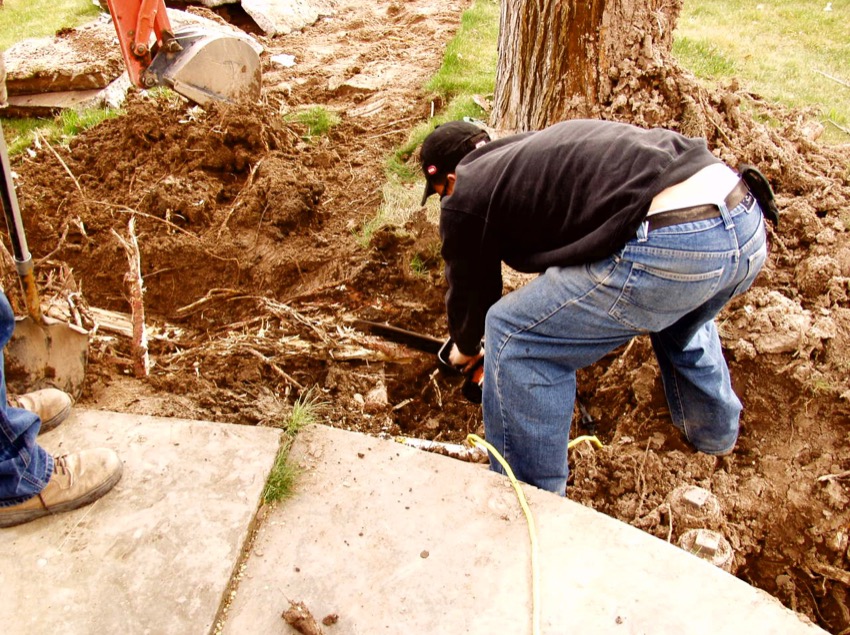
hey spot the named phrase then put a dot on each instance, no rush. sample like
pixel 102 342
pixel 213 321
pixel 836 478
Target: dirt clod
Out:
pixel 298 616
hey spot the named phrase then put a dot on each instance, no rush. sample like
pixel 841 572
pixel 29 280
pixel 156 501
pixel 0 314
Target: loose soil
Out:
pixel 253 271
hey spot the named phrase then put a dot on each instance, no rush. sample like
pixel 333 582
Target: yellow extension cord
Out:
pixel 474 439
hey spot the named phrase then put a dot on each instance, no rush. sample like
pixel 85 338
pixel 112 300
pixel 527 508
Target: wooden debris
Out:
pixel 139 343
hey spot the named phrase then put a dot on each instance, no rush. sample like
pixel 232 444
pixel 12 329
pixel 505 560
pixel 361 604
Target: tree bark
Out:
pixel 563 59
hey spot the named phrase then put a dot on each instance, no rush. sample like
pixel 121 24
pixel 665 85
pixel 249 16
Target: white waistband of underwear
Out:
pixel 710 185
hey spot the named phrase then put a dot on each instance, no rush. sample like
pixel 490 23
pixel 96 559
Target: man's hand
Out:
pixel 462 361
pixel 468 364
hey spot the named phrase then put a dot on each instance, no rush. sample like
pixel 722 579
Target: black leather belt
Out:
pixel 698 212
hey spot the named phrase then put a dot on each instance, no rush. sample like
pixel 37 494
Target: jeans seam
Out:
pixel 501 401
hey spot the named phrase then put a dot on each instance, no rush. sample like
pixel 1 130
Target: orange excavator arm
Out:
pixel 202 65
pixel 135 21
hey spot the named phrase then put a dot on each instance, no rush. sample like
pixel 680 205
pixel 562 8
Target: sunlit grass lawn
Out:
pixel 790 52
pixel 22 19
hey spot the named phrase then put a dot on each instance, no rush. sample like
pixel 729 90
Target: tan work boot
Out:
pixel 51 405
pixel 78 479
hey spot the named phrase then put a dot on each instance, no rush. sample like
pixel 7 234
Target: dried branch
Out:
pixel 275 368
pixel 67 169
pixel 213 295
pixel 828 571
pixel 129 210
pixel 133 278
pixel 835 79
pixel 236 201
pixel 830 477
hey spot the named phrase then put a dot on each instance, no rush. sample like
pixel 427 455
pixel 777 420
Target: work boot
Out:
pixel 51 405
pixel 78 479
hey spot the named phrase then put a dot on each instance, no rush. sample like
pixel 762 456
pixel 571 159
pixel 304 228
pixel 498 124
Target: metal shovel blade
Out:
pixel 43 352
pixel 209 67
pixel 46 354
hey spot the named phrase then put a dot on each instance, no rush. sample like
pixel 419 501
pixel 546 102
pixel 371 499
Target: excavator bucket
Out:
pixel 207 67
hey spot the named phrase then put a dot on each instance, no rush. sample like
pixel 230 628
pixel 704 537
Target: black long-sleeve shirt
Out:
pixel 573 193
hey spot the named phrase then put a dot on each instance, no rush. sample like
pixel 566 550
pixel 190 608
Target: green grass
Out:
pixel 781 50
pixel 318 120
pixel 469 64
pixel 22 19
pixel 400 199
pixel 467 76
pixel 305 411
pixel 20 134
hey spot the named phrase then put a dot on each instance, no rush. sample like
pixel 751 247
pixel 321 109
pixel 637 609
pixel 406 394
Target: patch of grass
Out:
pixel 305 411
pixel 20 134
pixel 790 52
pixel 423 261
pixel 400 201
pixel 705 59
pixel 418 266
pixel 73 122
pixel 22 19
pixel 318 120
pixel 469 65
pixel 466 78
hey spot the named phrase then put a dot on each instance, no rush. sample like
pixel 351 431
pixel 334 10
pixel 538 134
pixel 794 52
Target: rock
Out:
pixel 211 4
pixel 82 67
pixel 376 399
pixel 281 17
pixel 86 58
pixel 48 104
pixel 773 324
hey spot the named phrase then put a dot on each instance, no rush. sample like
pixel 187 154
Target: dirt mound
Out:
pixel 253 274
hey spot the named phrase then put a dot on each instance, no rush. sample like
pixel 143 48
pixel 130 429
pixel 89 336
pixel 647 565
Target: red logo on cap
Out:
pixel 431 170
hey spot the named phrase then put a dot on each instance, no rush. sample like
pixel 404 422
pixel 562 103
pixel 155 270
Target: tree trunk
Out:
pixel 564 59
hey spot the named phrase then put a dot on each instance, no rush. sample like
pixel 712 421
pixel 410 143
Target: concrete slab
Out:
pixel 282 17
pixel 83 68
pixel 156 554
pixel 49 104
pixel 395 540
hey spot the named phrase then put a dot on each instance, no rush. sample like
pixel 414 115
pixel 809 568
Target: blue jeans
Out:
pixel 669 283
pixel 25 467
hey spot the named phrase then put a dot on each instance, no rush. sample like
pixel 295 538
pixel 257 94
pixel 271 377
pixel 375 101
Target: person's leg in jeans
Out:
pixel 695 375
pixel 538 336
pixel 25 467
pixel 699 392
pixel 33 483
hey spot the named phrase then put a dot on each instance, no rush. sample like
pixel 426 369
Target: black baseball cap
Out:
pixel 443 149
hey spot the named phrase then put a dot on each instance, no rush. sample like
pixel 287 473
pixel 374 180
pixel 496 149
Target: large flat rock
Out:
pixel 281 17
pixel 83 67
pixel 156 554
pixel 395 540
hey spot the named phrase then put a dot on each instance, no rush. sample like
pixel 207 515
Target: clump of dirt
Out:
pixel 254 274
